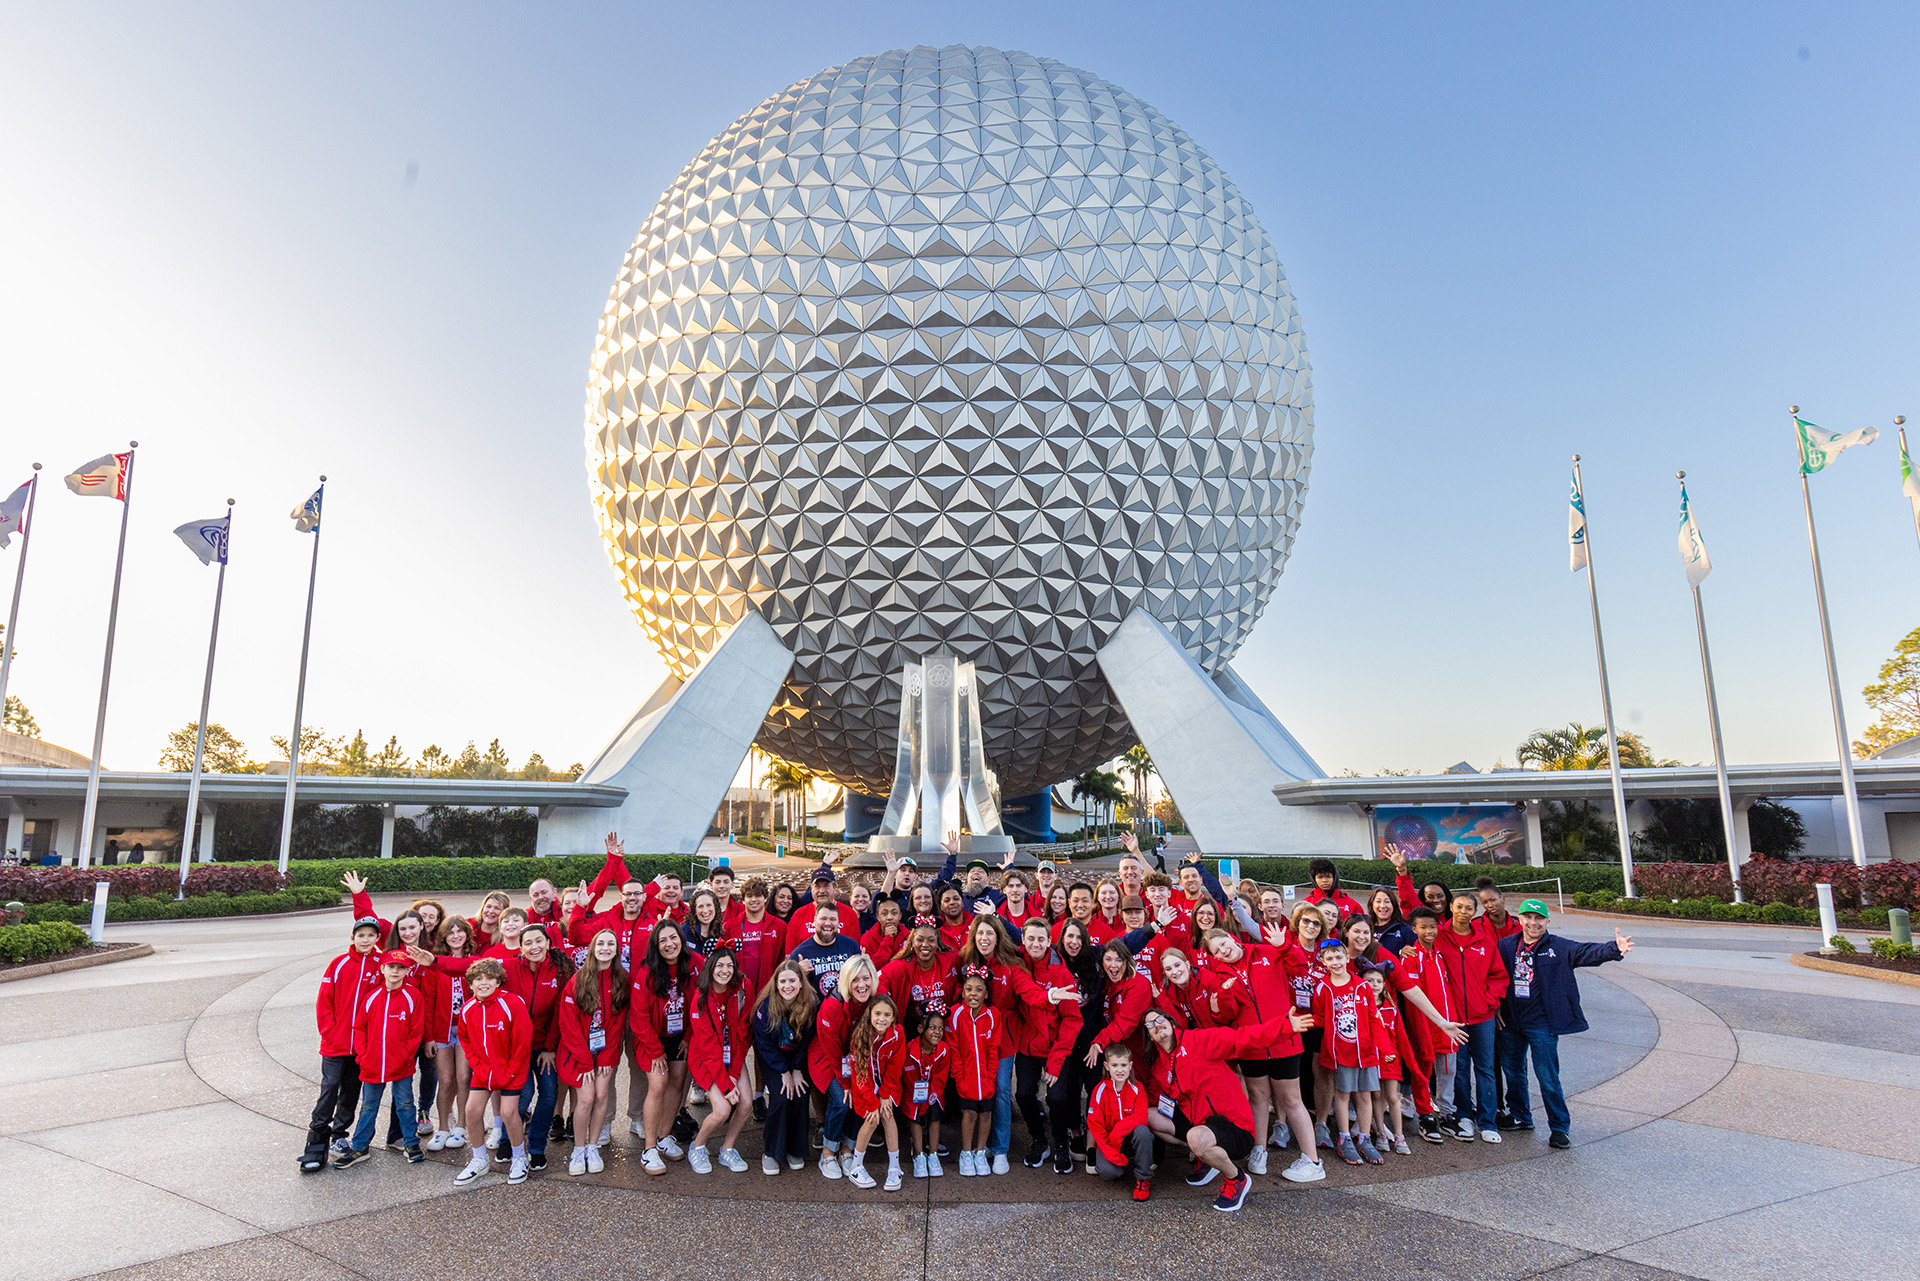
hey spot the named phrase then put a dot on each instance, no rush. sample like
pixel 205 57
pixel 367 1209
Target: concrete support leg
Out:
pixel 1742 833
pixel 209 815
pixel 386 831
pixel 1536 843
pixel 16 815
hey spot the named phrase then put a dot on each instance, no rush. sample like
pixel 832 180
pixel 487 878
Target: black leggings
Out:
pixel 1027 1069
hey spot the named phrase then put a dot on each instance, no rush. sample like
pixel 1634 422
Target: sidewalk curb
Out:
pixel 76 963
pixel 1857 971
pixel 1709 920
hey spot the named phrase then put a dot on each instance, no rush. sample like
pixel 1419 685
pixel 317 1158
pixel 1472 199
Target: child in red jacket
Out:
pixel 1117 1128
pixel 593 1010
pixel 978 1034
pixel 1350 1046
pixel 352 975
pixel 387 1024
pixel 719 1041
pixel 923 1083
pixel 1397 1064
pixel 497 1034
pixel 877 1048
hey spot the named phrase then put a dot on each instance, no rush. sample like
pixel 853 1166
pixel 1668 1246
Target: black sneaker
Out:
pixel 1063 1162
pixel 1559 1140
pixel 352 1156
pixel 946 1148
pixel 563 1129
pixel 537 1162
pixel 1201 1175
pixel 415 1156
pixel 1511 1123
pixel 1036 1155
pixel 1430 1129
pixel 760 1108
pixel 1233 1194
pixel 312 1163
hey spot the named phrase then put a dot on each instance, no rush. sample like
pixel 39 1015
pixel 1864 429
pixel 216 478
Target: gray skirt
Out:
pixel 1355 1080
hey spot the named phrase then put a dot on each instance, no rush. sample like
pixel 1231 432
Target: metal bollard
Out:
pixel 98 932
pixel 1829 923
pixel 1900 925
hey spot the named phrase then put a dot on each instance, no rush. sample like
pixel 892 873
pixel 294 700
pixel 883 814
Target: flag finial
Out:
pixel 1899 420
pixel 133 444
pixel 1576 458
pixel 323 475
pixel 36 466
pixel 229 502
pixel 1679 475
pixel 1793 409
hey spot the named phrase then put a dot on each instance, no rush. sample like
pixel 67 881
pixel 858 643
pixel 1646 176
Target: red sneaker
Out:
pixel 1142 1189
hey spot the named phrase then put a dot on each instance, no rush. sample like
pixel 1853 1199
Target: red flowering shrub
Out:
pixel 1791 882
pixel 75 884
pixel 229 878
pixel 1894 884
pixel 1683 880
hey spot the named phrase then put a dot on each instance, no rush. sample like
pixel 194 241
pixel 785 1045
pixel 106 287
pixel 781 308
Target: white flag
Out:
pixel 206 539
pixel 1818 446
pixel 1909 484
pixel 306 517
pixel 1693 549
pixel 104 477
pixel 1576 527
pixel 13 514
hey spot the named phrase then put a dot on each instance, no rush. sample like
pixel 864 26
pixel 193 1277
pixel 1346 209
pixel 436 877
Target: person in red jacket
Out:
pixel 387 1024
pixel 1126 999
pixel 1433 894
pixel 1200 1100
pixel 592 1013
pixel 1017 905
pixel 1396 1066
pixel 762 935
pixel 923 1084
pixel 1117 1128
pixel 990 952
pixel 1343 1006
pixel 1326 888
pixel 1267 973
pixel 719 1044
pixel 347 978
pixel 979 1032
pixel 830 1065
pixel 920 982
pixel 888 938
pixel 1471 956
pixel 657 1019
pixel 497 1035
pixel 879 1050
pixel 1042 1040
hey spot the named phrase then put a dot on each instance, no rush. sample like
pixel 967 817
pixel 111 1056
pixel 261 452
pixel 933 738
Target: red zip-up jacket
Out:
pixel 924 1066
pixel 1049 1033
pixel 1192 1005
pixel 1475 969
pixel 657 1016
pixel 1420 967
pixel 539 987
pixel 1113 1114
pixel 915 991
pixel 879 1077
pixel 1409 895
pixel 977 1036
pixel 1348 905
pixel 1351 1031
pixel 444 994
pixel 496 1034
pixel 349 976
pixel 386 1033
pixel 1267 978
pixel 763 944
pixel 827 1057
pixel 1010 990
pixel 1104 931
pixel 1396 1052
pixel 1122 1006
pixel 552 919
pixel 881 946
pixel 719 1038
pixel 1199 1076
pixel 576 1056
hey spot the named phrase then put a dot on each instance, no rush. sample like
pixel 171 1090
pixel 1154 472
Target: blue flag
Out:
pixel 306 517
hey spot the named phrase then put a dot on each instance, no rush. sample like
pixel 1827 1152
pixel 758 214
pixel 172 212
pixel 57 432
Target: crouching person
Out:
pixel 387 1027
pixel 1117 1124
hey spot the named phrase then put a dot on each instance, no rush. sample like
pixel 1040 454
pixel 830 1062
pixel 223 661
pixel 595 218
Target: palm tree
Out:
pixel 1583 747
pixel 787 779
pixel 1139 766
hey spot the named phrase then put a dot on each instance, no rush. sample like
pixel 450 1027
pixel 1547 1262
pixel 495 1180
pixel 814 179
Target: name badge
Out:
pixel 597 1040
pixel 920 1091
pixel 726 1056
pixel 1522 989
pixel 1166 1106
pixel 676 1021
pixel 846 1065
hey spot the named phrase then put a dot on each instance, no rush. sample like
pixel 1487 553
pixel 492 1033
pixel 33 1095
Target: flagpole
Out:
pixel 92 809
pixel 1713 723
pixel 19 577
pixel 206 700
pixel 1847 785
pixel 1606 701
pixel 299 703
pixel 1899 420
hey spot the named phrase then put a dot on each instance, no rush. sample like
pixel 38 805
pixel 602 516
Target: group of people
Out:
pixel 1122 1019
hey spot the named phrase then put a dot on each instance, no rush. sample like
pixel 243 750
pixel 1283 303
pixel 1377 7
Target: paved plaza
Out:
pixel 1734 1117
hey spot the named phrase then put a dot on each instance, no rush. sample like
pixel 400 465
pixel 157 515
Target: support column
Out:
pixel 16 824
pixel 1742 834
pixel 1536 843
pixel 209 812
pixel 386 831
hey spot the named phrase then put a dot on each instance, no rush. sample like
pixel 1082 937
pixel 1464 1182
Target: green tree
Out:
pixel 1583 747
pixel 391 760
pixel 495 763
pixel 355 758
pixel 790 780
pixel 1139 767
pixel 225 754
pixel 467 764
pixel 575 770
pixel 1895 697
pixel 434 763
pixel 536 769
pixel 318 752
pixel 18 719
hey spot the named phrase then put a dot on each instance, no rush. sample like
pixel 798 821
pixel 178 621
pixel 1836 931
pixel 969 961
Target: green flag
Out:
pixel 1818 446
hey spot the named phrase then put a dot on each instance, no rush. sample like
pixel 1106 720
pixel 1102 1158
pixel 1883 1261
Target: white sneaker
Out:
pixel 1257 1161
pixel 577 1163
pixel 697 1160
pixel 438 1141
pixel 920 1166
pixel 849 1163
pixel 769 1166
pixel 670 1148
pixel 893 1179
pixel 638 1128
pixel 731 1158
pixel 457 1137
pixel 653 1162
pixel 476 1165
pixel 933 1166
pixel 696 1096
pixel 517 1172
pixel 830 1164
pixel 1093 1164
pixel 606 1135
pixel 1304 1171
pixel 1400 1146
pixel 795 1162
pixel 1281 1136
pixel 594 1163
pixel 859 1177
pixel 1489 1136
pixel 966 1164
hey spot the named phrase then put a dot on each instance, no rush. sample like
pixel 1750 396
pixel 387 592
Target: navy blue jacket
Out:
pixel 1554 962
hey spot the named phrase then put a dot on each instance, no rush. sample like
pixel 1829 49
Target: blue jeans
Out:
pixel 838 1109
pixel 537 1098
pixel 1002 1135
pixel 1473 1066
pixel 370 1095
pixel 1546 1065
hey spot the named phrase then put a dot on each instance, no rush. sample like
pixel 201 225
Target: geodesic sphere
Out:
pixel 951 348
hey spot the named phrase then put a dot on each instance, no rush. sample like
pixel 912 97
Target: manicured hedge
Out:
pixel 75 884
pixel 36 942
pixel 415 875
pixel 1358 873
pixel 1705 908
pixel 166 908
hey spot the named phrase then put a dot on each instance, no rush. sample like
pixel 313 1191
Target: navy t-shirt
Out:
pixel 1529 1010
pixel 827 961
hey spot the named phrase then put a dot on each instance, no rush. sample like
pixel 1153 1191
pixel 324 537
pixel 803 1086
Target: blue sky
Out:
pixel 1515 232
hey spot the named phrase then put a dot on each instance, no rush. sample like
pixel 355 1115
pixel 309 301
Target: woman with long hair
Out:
pixel 720 1035
pixel 486 926
pixel 878 1049
pixel 783 1025
pixel 445 994
pixel 1389 925
pixel 658 1014
pixel 830 1064
pixel 592 1015
pixel 1082 960
pixel 704 928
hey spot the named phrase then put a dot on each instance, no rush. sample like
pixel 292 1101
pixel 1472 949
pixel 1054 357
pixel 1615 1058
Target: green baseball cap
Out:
pixel 1533 907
